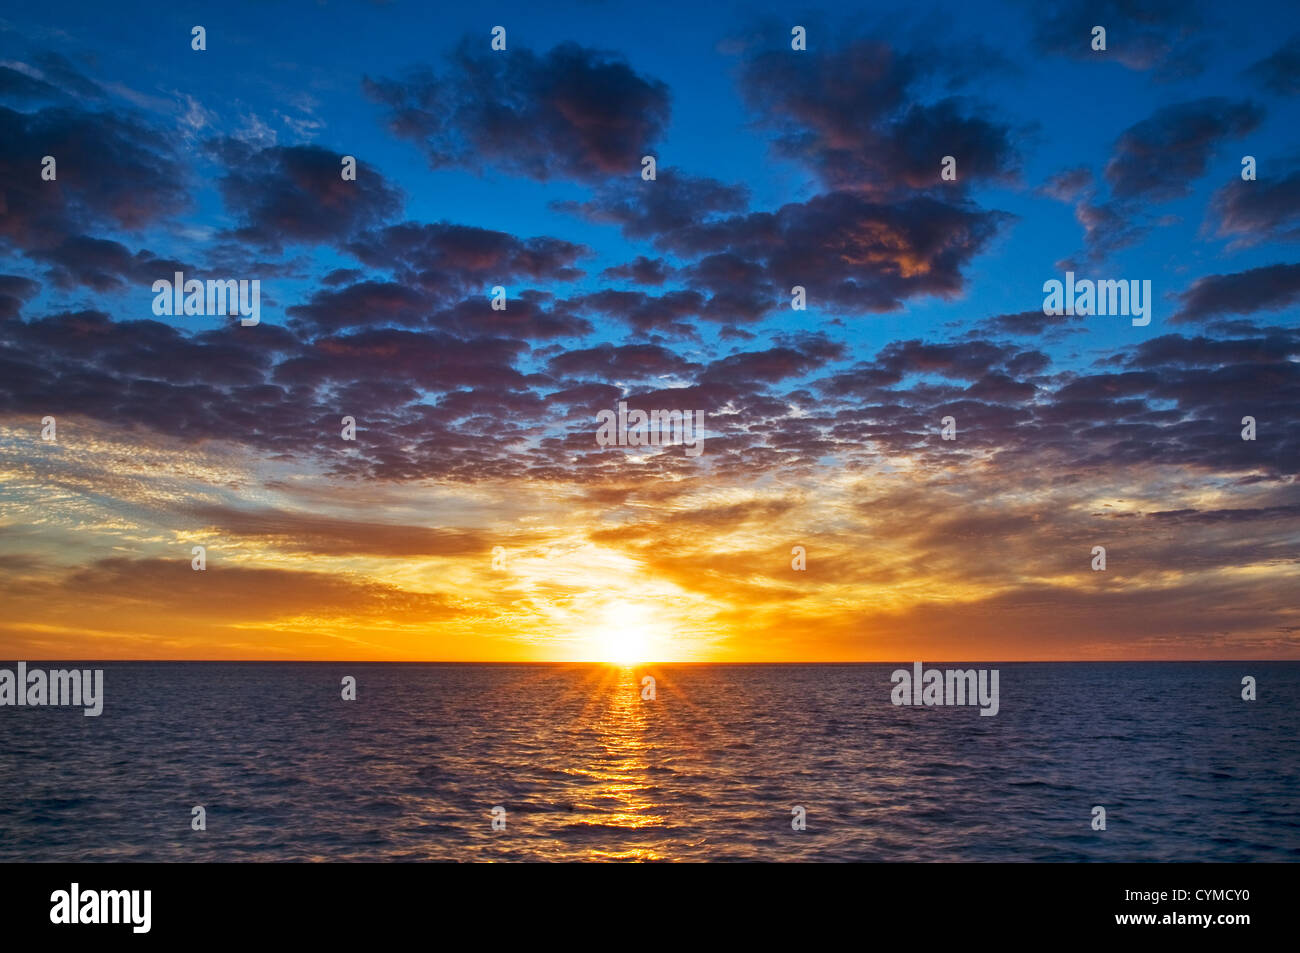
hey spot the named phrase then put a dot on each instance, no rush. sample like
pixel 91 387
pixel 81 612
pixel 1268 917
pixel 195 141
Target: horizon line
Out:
pixel 218 661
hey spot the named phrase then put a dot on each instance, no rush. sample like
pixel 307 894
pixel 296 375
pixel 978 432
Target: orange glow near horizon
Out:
pixel 900 564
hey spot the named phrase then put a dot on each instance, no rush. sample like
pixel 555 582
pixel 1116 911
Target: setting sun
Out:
pixel 627 635
pixel 624 648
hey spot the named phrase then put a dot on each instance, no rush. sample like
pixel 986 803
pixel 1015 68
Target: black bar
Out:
pixel 963 902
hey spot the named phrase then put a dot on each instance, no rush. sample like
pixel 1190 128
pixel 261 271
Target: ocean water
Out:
pixel 708 771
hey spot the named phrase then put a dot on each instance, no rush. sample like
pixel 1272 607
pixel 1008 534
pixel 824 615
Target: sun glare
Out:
pixel 626 635
pixel 624 648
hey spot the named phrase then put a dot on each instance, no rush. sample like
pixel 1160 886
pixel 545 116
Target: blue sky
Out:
pixel 292 71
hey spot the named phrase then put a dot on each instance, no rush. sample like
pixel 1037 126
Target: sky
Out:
pixel 475 516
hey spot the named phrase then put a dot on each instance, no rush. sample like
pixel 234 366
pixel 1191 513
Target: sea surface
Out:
pixel 710 770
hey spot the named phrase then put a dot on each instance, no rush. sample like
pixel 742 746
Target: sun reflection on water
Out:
pixel 622 798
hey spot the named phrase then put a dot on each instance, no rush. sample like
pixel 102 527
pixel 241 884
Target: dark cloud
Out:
pixel 771 365
pixel 1109 227
pixel 529 315
pixel 854 116
pixel 628 362
pixel 100 366
pixel 584 396
pixel 1264 210
pixel 1159 157
pixel 287 194
pixel 640 271
pixel 998 388
pixel 1239 515
pixel 330 536
pixel 1157 160
pixel 341 276
pixel 1065 186
pixel 435 405
pixel 1260 289
pixel 644 312
pixel 451 260
pixel 57 69
pixel 1029 323
pixel 112 172
pixel 845 250
pixel 672 201
pixel 1148 35
pixel 229 592
pixel 1178 403
pixel 969 360
pixel 817 343
pixel 739 288
pixel 428 360
pixel 571 113
pixel 14 291
pixel 1280 70
pixel 22 88
pixel 49 77
pixel 103 265
pixel 360 305
pixel 1175 350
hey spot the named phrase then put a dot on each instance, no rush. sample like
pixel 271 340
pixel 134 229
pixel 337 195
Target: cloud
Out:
pixel 1269 288
pixel 640 271
pixel 627 362
pixel 49 77
pixel 1156 160
pixel 301 532
pixel 673 201
pixel 59 70
pixel 359 305
pixel 643 312
pixel 450 260
pixel 1280 70
pixel 1157 35
pixel 426 360
pixel 19 84
pixel 1175 350
pixel 230 593
pixel 571 113
pixel 14 291
pixel 103 265
pixel 846 250
pixel 1263 210
pixel 1030 323
pixel 134 179
pixel 1065 186
pixel 1159 157
pixel 853 115
pixel 1108 227
pixel 773 364
pixel 1237 515
pixel 286 194
pixel 527 315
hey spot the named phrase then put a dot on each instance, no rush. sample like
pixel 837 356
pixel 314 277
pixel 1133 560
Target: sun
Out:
pixel 626 635
pixel 624 648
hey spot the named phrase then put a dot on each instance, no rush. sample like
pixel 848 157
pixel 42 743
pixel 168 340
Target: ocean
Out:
pixel 712 769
